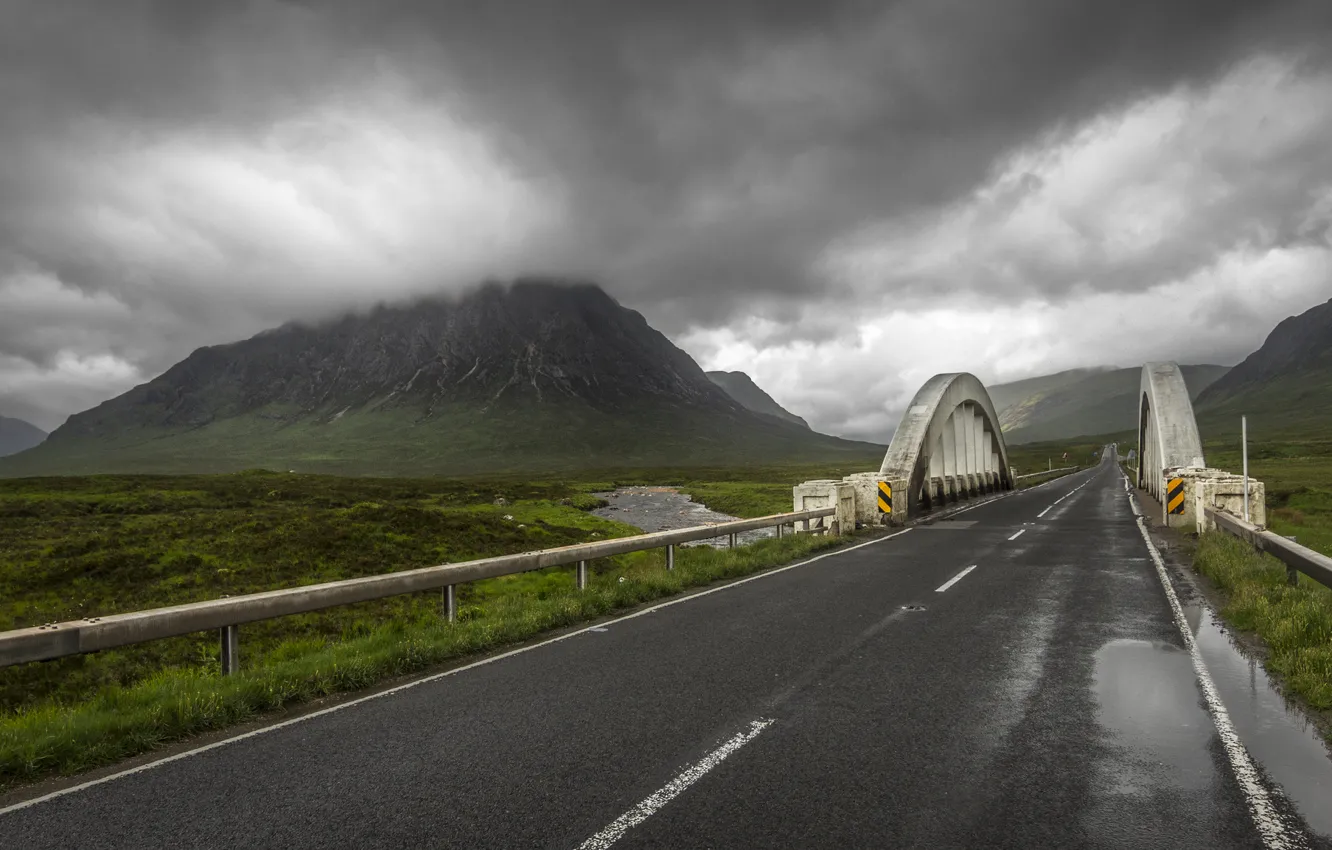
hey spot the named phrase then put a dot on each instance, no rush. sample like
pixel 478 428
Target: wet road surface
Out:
pixel 957 685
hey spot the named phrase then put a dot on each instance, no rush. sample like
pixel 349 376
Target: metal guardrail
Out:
pixel 1047 472
pixel 58 640
pixel 1297 558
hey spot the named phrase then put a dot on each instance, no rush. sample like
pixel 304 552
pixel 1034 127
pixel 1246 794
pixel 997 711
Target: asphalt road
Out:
pixel 1043 699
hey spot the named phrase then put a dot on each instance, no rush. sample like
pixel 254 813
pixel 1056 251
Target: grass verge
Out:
pixel 123 721
pixel 1294 622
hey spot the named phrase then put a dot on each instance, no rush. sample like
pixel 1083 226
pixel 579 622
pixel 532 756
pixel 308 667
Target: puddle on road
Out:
pixel 1154 778
pixel 1150 703
pixel 666 509
pixel 1279 738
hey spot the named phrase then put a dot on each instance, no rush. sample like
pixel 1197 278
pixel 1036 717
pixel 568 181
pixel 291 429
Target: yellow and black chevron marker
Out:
pixel 1175 496
pixel 885 497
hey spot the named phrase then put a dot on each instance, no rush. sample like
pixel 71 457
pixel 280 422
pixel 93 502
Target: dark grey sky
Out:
pixel 789 188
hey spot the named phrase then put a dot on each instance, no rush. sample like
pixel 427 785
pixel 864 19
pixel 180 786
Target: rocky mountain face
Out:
pixel 17 436
pixel 537 375
pixel 1283 387
pixel 742 388
pixel 496 348
pixel 1298 345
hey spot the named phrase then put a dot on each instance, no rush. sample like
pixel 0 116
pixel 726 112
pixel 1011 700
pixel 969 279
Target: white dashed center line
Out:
pixel 955 579
pixel 1016 536
pixel 1062 498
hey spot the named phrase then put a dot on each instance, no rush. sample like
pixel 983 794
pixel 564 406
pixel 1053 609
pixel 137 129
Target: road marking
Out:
pixel 672 789
pixel 428 679
pixel 955 579
pixel 1275 832
pixel 1019 534
pixel 1063 497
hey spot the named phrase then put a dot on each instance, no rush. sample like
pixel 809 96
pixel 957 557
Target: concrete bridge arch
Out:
pixel 948 446
pixel 1167 431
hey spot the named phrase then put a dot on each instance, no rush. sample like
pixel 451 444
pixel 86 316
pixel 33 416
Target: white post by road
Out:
pixel 1244 441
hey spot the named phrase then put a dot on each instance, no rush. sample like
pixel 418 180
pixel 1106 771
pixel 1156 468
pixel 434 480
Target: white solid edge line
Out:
pixel 1271 826
pixel 955 579
pixel 427 679
pixel 672 789
pixel 1019 534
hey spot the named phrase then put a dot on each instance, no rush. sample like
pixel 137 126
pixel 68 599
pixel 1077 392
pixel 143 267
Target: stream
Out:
pixel 666 509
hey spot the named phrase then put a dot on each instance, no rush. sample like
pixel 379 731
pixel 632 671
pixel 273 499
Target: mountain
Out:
pixel 17 435
pixel 742 388
pixel 539 375
pixel 1013 400
pixel 1098 401
pixel 1284 387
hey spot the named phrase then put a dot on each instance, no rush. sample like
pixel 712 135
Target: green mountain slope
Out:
pixel 1014 401
pixel 539 376
pixel 1101 402
pixel 742 388
pixel 1284 388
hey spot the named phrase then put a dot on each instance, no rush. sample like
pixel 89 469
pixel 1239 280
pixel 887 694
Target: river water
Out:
pixel 665 509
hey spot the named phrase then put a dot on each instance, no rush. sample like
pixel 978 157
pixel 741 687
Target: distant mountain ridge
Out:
pixel 17 435
pixel 540 374
pixel 1283 387
pixel 1014 401
pixel 742 388
pixel 1083 402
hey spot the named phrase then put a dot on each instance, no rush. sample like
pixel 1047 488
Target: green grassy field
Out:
pixel 1297 475
pixel 524 439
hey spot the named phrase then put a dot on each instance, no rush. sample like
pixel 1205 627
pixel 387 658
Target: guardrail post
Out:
pixel 731 542
pixel 230 649
pixel 450 603
pixel 670 556
pixel 1292 576
pixel 582 575
pixel 779 530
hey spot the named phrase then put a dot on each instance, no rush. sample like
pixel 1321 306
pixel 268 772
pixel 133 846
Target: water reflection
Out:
pixel 1278 736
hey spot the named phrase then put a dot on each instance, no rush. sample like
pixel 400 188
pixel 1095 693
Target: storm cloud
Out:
pixel 787 188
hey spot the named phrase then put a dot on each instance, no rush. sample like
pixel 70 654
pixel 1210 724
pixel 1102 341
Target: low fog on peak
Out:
pixel 787 189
